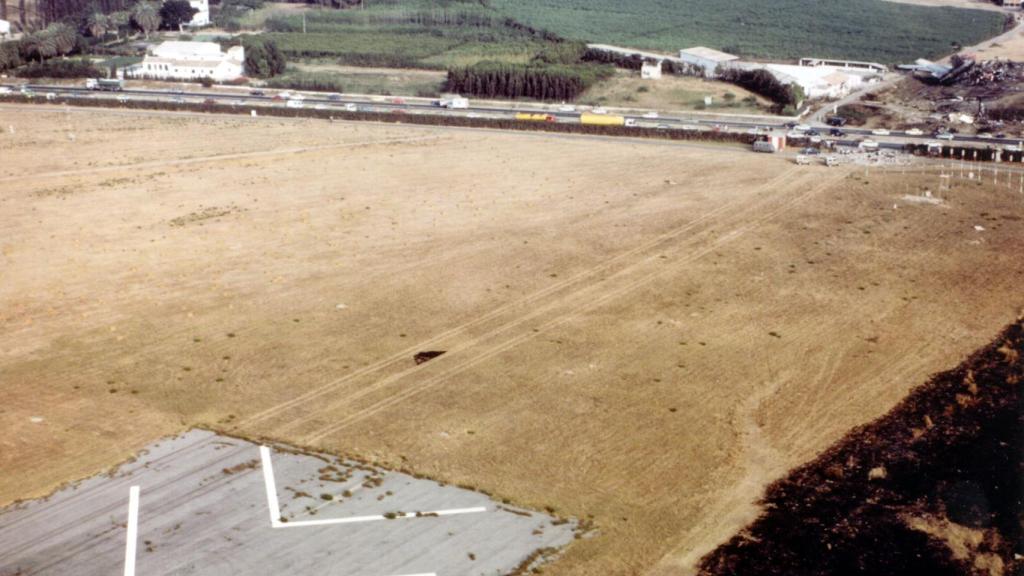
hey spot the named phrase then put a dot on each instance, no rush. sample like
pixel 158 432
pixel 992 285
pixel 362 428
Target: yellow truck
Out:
pixel 532 117
pixel 601 119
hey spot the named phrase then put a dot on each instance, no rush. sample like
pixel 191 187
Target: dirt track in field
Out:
pixel 640 333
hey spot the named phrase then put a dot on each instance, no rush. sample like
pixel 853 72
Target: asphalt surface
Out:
pixel 895 139
pixel 204 509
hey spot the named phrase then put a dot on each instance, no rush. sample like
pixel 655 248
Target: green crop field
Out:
pixel 872 30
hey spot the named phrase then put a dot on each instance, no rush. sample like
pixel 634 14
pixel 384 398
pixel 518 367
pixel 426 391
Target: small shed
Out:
pixel 711 61
pixel 650 70
pixel 5 27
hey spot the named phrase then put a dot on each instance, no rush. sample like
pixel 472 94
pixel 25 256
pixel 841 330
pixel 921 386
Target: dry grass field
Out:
pixel 642 334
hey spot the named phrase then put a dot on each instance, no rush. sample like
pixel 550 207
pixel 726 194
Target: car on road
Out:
pixel 566 108
pixel 350 107
pixel 257 93
pixel 836 121
pixel 813 132
pixel 364 109
pixel 599 110
pixel 945 136
pixel 51 96
pixel 880 132
pixel 801 127
pixel 209 101
pixel 398 100
pixel 985 135
pixel 914 132
pixel 4 90
pixel 651 115
pixel 790 125
pixel 1000 135
pixel 665 127
pixel 836 132
pixel 334 97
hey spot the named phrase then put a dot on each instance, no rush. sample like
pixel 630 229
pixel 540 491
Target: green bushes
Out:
pixel 764 83
pixel 307 81
pixel 263 59
pixel 80 68
pixel 10 55
pixel 538 81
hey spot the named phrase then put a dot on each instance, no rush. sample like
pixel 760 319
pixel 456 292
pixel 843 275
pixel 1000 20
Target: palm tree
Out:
pixel 146 17
pixel 64 37
pixel 117 20
pixel 97 24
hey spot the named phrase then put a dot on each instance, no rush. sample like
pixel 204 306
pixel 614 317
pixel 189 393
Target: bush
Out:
pixel 80 68
pixel 764 83
pixel 307 81
pixel 263 59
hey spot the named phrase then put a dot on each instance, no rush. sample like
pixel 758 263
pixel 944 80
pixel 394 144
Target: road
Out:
pixel 491 110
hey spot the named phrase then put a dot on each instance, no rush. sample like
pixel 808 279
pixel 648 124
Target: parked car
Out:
pixel 810 151
pixel 836 132
pixel 836 121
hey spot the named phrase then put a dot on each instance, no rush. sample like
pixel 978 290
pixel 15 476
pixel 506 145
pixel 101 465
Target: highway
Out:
pixel 493 110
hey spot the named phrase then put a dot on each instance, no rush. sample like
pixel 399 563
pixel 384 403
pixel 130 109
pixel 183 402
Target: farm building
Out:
pixel 817 81
pixel 5 28
pixel 650 70
pixel 711 61
pixel 190 61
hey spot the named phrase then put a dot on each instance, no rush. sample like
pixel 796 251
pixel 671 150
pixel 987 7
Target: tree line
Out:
pixel 538 81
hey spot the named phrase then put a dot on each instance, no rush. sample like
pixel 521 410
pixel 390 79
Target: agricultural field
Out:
pixel 638 335
pixel 873 30
pixel 627 89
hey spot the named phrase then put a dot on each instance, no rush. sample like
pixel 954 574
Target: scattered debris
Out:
pixel 427 356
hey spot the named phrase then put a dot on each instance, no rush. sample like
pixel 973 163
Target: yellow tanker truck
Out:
pixel 601 119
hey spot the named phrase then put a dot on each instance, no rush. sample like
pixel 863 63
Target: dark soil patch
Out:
pixel 427 356
pixel 950 455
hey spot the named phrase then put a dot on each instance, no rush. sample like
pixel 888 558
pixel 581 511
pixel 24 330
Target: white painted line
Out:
pixel 376 517
pixel 133 531
pixel 268 481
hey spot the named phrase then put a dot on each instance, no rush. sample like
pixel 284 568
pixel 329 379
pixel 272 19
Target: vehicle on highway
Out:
pixel 663 127
pixel 836 132
pixel 801 127
pixel 364 109
pixel 294 103
pixel 51 96
pixel 867 145
pixel 534 117
pixel 631 122
pixel 595 119
pixel 209 101
pixel 566 108
pixel 398 100
pixel 4 90
pixel 111 84
pixel 985 135
pixel 945 136
pixel 914 132
pixel 790 125
pixel 837 121
pixel 690 127
pixel 350 107
pixel 1012 148
pixel 599 110
pixel 453 102
pixel 651 115
pixel 813 132
pixel 178 100
pixel 1000 135
pixel 257 93
pixel 334 97
pixel 880 132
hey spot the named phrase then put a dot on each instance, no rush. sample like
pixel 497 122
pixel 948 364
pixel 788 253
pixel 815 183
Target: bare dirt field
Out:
pixel 639 334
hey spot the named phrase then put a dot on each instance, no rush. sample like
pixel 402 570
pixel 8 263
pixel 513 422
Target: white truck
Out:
pixel 109 84
pixel 453 102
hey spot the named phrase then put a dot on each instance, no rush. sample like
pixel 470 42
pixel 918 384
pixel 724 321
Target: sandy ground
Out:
pixel 638 333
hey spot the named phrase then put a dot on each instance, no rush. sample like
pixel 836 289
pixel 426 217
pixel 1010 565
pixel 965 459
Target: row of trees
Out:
pixel 763 82
pixel 542 82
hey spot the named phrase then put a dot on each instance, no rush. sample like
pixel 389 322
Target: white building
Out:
pixel 711 61
pixel 650 70
pixel 190 61
pixel 202 17
pixel 817 81
pixel 5 28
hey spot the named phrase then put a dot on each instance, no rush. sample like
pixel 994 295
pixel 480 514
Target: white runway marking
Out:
pixel 275 508
pixel 268 481
pixel 375 517
pixel 133 531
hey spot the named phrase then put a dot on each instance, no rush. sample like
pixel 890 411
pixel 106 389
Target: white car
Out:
pixel 350 107
pixel 599 110
pixel 880 132
pixel 651 115
pixel 945 136
pixel 801 128
pixel 566 108
pixel 1012 148
pixel 914 132
pixel 985 135
pixel 5 90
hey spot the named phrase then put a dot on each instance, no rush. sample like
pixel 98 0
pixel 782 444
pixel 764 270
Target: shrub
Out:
pixel 80 68
pixel 542 82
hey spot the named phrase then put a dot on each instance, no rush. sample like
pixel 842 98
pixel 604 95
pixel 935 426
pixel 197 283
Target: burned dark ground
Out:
pixel 935 487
